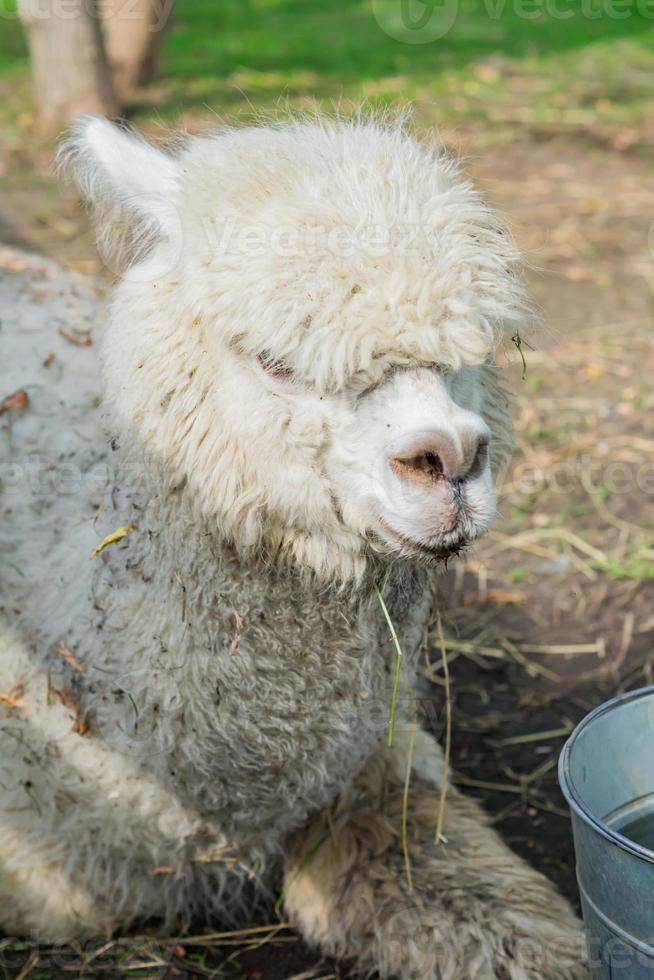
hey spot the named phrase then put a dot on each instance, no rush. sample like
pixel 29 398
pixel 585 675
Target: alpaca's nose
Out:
pixel 433 455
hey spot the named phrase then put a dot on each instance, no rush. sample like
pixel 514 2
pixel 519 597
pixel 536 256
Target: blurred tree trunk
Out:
pixel 134 31
pixel 69 64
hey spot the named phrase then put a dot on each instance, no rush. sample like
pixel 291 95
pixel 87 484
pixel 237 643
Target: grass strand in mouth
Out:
pixel 448 725
pixel 398 664
pixel 405 795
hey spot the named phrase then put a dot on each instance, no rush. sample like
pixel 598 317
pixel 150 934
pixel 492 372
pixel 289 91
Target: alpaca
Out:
pixel 303 411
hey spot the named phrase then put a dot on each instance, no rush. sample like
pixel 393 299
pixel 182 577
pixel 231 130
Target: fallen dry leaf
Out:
pixel 112 538
pixel 79 339
pixel 494 596
pixel 67 654
pixel 49 361
pixel 8 261
pixel 13 700
pixel 14 403
pixel 239 626
pixel 69 700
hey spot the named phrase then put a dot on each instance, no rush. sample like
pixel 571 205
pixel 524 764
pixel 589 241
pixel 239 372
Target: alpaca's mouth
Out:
pixel 432 553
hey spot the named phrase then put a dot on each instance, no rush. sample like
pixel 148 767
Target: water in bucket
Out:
pixel 635 820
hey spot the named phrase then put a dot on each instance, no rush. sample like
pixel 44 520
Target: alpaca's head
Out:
pixel 306 336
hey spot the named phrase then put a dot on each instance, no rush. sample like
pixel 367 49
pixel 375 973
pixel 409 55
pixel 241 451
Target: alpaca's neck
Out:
pixel 209 651
pixel 184 563
pixel 182 559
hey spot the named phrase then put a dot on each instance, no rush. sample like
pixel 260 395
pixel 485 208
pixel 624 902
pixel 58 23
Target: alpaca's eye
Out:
pixel 274 367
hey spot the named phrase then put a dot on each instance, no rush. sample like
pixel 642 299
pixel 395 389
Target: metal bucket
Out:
pixel 606 771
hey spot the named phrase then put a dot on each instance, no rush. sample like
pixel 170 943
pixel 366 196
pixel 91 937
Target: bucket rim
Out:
pixel 574 800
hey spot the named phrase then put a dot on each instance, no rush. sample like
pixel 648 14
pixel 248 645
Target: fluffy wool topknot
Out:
pixel 337 246
pixel 340 248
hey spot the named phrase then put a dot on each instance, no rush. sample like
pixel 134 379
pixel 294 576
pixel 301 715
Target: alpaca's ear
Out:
pixel 132 185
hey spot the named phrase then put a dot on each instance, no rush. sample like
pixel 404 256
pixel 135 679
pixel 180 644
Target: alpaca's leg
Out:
pixel 475 911
pixel 37 896
pixel 38 893
pixel 83 827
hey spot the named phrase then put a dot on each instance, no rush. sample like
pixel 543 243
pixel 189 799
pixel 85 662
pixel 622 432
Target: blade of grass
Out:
pixel 448 725
pixel 405 796
pixel 398 664
pixel 562 732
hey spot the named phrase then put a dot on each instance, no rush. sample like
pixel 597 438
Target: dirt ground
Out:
pixel 554 611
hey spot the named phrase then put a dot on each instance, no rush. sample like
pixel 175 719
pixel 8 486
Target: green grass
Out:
pixel 639 569
pixel 515 60
pixel 13 51
pixel 491 62
pixel 342 40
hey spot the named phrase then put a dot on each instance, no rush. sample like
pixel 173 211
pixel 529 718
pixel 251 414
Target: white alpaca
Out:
pixel 302 405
